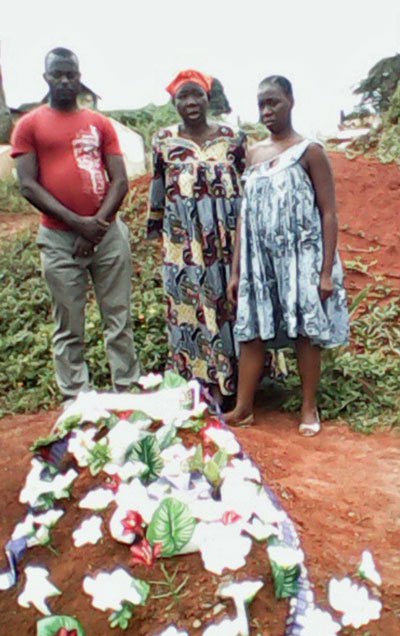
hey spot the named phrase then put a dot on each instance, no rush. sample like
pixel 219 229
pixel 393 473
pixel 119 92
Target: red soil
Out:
pixel 341 488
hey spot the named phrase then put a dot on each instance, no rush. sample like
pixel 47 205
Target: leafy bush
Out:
pixel 10 198
pixel 26 367
pixel 361 384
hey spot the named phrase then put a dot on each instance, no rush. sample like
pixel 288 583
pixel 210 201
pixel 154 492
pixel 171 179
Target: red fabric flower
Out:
pixel 123 415
pixel 145 554
pixel 133 523
pixel 230 516
pixel 113 484
pixel 63 631
pixel 211 422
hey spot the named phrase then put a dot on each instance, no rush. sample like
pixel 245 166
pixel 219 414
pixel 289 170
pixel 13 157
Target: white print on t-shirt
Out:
pixel 86 148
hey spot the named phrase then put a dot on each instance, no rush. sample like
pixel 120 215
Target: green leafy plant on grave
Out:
pixel 172 525
pixel 99 456
pixel 170 587
pixel 121 618
pixel 147 451
pixel 53 626
pixel 212 468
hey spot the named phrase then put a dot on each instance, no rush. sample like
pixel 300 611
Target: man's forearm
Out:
pixel 113 199
pixel 45 202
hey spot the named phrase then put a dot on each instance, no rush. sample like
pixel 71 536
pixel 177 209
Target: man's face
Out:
pixel 191 102
pixel 63 77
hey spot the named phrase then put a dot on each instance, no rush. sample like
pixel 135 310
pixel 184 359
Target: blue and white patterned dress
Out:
pixel 281 259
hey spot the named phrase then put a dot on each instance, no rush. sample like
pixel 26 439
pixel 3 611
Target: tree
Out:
pixel 5 116
pixel 380 84
pixel 219 104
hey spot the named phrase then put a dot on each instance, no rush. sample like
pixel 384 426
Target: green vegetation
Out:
pixel 380 91
pixel 361 388
pixel 361 384
pixel 378 87
pixel 10 198
pixel 149 119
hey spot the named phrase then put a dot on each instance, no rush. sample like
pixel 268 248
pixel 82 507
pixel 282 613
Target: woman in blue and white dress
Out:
pixel 287 279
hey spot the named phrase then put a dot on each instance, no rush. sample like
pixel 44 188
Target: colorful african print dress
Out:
pixel 195 202
pixel 281 254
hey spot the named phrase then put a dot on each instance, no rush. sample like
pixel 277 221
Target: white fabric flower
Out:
pixel 135 496
pixel 28 527
pixel 224 439
pixel 110 589
pixel 242 593
pixel 120 438
pixel 367 568
pixel 88 532
pixel 247 498
pixel 221 546
pixel 227 627
pixel 127 471
pixel 80 444
pixel 173 631
pixel 285 556
pixel 88 406
pixel 35 486
pixel 259 530
pixel 354 602
pixel 242 468
pixel 151 380
pixel 37 589
pixel 315 622
pixel 97 499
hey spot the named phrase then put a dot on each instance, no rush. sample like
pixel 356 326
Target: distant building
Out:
pixel 86 99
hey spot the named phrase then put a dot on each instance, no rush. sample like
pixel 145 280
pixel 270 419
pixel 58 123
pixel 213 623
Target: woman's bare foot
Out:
pixel 239 417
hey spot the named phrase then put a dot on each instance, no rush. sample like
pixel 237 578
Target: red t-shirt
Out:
pixel 70 149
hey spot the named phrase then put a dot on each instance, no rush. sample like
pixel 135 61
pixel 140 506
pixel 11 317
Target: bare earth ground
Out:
pixel 342 489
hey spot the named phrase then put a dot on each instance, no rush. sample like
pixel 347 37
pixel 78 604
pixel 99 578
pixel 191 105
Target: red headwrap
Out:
pixel 184 77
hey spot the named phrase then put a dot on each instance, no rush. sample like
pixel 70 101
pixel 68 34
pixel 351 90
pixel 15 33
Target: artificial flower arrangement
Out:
pixel 168 500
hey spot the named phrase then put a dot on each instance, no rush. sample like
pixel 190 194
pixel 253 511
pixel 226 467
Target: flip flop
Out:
pixel 246 421
pixel 310 429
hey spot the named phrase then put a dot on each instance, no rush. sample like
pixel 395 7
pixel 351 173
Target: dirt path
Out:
pixel 342 490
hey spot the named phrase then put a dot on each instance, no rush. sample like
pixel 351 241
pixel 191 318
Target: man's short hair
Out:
pixel 60 51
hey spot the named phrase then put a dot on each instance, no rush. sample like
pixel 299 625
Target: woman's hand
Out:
pixel 325 286
pixel 232 290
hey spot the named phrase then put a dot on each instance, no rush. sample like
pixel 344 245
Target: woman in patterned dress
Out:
pixel 195 201
pixel 287 278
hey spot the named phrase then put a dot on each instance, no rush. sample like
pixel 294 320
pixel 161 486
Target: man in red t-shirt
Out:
pixel 71 169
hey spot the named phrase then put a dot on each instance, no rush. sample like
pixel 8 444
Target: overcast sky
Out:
pixel 130 49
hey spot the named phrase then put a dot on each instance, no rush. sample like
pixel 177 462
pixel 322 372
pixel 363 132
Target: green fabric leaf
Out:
pixel 285 580
pixel 196 462
pixel 166 436
pixel 50 625
pixel 172 380
pixel 139 416
pixel 121 617
pixel 172 525
pixel 212 473
pixel 147 451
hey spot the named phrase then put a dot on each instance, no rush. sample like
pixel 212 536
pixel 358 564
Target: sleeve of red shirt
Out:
pixel 22 138
pixel 110 139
